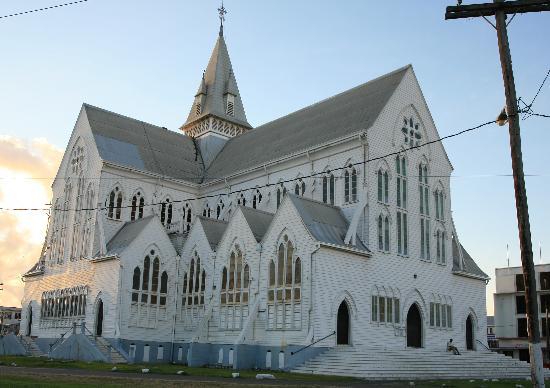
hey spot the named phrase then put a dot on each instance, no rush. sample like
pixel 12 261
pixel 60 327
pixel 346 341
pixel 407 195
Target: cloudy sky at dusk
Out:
pixel 144 59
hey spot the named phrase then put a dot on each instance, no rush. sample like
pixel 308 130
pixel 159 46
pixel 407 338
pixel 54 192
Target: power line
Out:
pixel 42 9
pixel 312 175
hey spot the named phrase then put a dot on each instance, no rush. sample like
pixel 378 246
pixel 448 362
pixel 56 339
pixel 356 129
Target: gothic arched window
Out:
pixel 328 188
pixel 206 211
pixel 219 209
pixel 284 292
pixel 411 132
pixel 281 192
pixel 187 217
pixel 115 204
pixel 166 212
pixel 235 289
pixel 256 199
pixel 350 184
pixel 138 203
pixel 383 186
pixel 195 284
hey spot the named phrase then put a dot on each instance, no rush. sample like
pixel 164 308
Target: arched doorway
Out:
pixel 469 333
pixel 414 327
pixel 342 324
pixel 99 319
pixel 29 321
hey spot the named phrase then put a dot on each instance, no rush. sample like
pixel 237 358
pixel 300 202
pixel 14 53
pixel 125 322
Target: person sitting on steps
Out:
pixel 451 347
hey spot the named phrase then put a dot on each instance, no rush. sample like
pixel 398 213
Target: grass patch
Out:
pixel 163 369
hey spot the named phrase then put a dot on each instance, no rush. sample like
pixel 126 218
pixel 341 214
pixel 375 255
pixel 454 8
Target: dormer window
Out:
pixel 230 110
pixel 411 132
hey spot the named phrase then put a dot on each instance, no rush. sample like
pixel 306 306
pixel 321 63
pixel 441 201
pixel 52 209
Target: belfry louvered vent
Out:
pixel 230 108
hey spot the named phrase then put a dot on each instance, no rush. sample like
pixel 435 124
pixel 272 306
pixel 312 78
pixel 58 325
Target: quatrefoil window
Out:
pixel 411 132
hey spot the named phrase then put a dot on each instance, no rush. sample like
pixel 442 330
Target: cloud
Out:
pixel 22 162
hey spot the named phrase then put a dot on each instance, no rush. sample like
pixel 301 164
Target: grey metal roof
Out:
pixel 178 240
pixel 213 229
pixel 219 79
pixel 326 223
pixel 469 266
pixel 128 233
pixel 258 221
pixel 340 115
pixel 139 145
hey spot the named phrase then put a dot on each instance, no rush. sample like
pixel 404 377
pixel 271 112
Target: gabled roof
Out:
pixel 469 266
pixel 142 146
pixel 326 223
pixel 127 234
pixel 213 229
pixel 258 221
pixel 218 80
pixel 346 113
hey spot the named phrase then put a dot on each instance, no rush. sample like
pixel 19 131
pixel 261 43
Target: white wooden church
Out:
pixel 229 244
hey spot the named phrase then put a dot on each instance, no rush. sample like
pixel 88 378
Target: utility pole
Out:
pixel 500 9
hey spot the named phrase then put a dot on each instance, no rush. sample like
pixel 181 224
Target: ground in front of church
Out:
pixel 40 372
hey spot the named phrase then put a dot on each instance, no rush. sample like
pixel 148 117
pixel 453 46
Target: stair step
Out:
pixel 386 364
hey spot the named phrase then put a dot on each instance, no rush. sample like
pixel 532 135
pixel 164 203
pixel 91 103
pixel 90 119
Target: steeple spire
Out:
pixel 222 12
pixel 217 107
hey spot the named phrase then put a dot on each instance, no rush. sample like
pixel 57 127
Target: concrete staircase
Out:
pixel 112 354
pixel 414 364
pixel 32 349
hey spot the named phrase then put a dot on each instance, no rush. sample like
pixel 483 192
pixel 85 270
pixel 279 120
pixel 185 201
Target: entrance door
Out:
pixel 99 319
pixel 414 327
pixel 29 322
pixel 342 325
pixel 469 333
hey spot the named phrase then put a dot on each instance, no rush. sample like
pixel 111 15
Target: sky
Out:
pixel 144 59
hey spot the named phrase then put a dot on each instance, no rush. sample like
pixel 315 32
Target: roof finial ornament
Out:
pixel 222 12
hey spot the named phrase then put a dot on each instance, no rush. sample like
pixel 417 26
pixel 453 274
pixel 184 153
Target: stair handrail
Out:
pixel 485 346
pixel 313 343
pixel 248 323
pixel 57 341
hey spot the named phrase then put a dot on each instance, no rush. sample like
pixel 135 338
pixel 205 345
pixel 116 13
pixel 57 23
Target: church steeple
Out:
pixel 217 107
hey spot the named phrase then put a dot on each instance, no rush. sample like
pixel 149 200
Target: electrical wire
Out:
pixel 42 9
pixel 312 175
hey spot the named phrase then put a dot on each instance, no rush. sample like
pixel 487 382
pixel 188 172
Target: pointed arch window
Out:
pixel 300 187
pixel 424 190
pixel 149 278
pixel 241 200
pixel 350 184
pixel 135 284
pixel 187 213
pixel 284 292
pixel 383 186
pixel 114 210
pixel 328 188
pixel 194 286
pixel 219 209
pixel 383 233
pixel 138 203
pixel 256 199
pixel 281 192
pixel 411 132
pixel 206 211
pixel 441 254
pixel 439 205
pixel 235 290
pixel 166 212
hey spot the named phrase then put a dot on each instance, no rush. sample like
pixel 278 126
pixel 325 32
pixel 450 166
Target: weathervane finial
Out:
pixel 222 11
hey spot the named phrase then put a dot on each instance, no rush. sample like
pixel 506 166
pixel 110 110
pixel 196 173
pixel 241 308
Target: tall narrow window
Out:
pixel 220 208
pixel 350 184
pixel 380 233
pixel 115 204
pixel 281 192
pixel 386 234
pixel 230 105
pixel 256 199
pixel 187 214
pixel 135 284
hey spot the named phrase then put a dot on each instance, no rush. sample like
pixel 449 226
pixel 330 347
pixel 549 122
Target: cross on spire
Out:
pixel 222 12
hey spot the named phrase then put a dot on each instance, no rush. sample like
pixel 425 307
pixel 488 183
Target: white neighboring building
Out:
pixel 510 313
pixel 234 245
